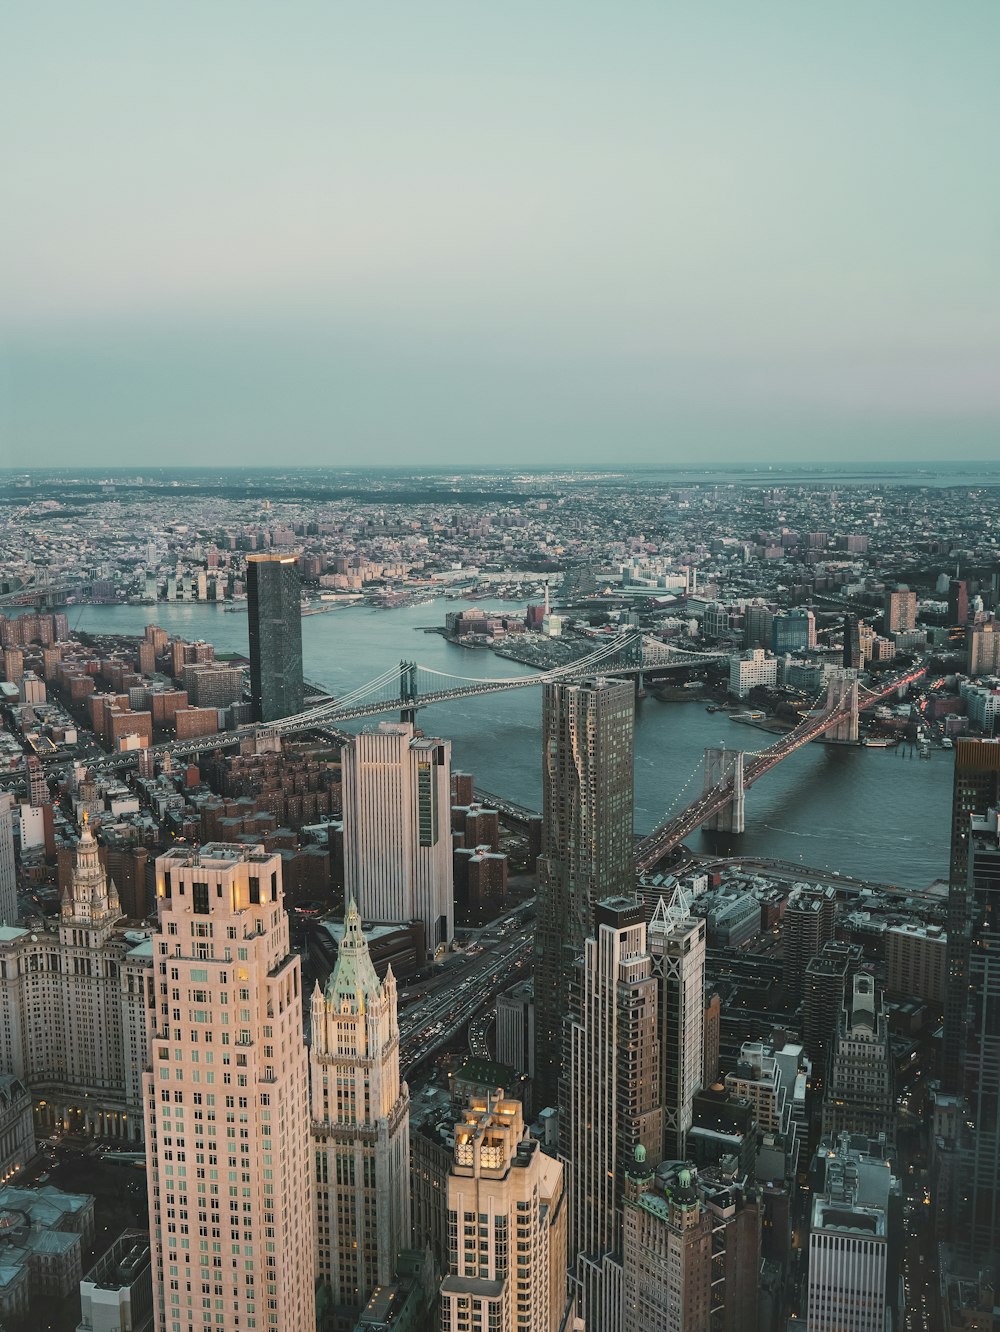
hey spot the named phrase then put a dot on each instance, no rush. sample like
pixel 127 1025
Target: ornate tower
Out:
pixel 90 903
pixel 360 1125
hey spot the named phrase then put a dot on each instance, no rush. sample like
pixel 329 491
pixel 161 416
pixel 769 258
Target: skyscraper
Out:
pixel 8 879
pixel 853 1276
pixel 958 602
pixel 275 616
pixel 677 946
pixel 360 1126
pixel 853 657
pixel 858 1095
pixel 506 1227
pixel 976 790
pixel 975 1230
pixel 397 828
pixel 610 1093
pixel 227 1099
pixel 587 784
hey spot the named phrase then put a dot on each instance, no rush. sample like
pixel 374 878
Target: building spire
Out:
pixel 353 980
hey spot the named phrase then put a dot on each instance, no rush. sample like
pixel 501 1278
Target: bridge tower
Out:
pixel 841 690
pixel 725 765
pixel 408 694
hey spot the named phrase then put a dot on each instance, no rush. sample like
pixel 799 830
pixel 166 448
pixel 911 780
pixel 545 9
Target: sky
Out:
pixel 457 231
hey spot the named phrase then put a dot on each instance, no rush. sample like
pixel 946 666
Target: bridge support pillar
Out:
pixel 841 690
pixel 408 692
pixel 726 765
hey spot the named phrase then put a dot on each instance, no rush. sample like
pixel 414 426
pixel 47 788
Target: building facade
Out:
pixel 859 1097
pixel 506 1227
pixel 677 946
pixel 610 1103
pixel 227 1099
pixel 73 1005
pixel 275 624
pixel 360 1127
pixel 587 796
pixel 398 861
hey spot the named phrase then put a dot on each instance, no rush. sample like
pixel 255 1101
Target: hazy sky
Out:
pixel 535 230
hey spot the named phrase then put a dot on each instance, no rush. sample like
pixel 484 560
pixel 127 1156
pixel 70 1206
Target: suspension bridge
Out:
pixel 729 773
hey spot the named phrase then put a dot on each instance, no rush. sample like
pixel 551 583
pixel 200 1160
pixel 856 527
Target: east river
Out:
pixel 873 813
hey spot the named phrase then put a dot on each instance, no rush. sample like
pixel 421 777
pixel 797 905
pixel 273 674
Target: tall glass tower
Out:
pixel 587 791
pixel 274 604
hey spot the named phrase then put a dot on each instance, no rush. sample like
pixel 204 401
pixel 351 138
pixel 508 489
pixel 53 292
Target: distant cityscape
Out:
pixel 307 1021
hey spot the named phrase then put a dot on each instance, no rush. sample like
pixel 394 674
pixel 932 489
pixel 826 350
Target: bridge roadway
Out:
pixel 661 842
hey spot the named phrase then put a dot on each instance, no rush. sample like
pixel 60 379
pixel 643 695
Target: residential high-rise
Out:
pixel 677 946
pixel 587 853
pixel 506 1227
pixel 275 623
pixel 900 611
pixel 809 922
pixel 611 1091
pixel 38 787
pixel 397 829
pixel 227 1099
pixel 976 790
pixel 8 877
pixel 360 1127
pixel 858 1091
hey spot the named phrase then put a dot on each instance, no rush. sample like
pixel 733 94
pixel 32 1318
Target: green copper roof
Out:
pixel 353 977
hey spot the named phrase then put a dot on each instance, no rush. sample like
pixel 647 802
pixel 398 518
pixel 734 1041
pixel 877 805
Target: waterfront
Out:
pixel 872 813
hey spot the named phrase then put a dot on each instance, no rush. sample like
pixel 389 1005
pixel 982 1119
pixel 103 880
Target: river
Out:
pixel 872 813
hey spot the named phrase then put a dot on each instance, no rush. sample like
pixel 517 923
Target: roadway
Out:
pixel 434 1022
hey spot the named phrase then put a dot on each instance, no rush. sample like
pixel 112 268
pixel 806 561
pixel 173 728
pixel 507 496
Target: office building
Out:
pixel 793 631
pixel 900 610
pixel 827 978
pixel 227 1096
pixel 757 624
pixel 691 1250
pixel 275 623
pixel 8 876
pixel 397 831
pixel 360 1128
pixel 859 1095
pixel 516 1027
pixel 975 791
pixel 587 854
pixel 852 657
pixel 506 1226
pixel 74 1002
pixel 975 1227
pixel 116 1295
pixel 958 602
pixel 677 946
pixel 610 1093
pixel 853 1270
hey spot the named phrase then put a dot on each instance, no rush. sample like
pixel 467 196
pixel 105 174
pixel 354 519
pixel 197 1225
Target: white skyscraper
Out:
pixel 8 879
pixel 227 1099
pixel 506 1227
pixel 397 829
pixel 677 946
pixel 360 1126
pixel 849 1275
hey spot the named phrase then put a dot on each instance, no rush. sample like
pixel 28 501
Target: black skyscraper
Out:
pixel 976 791
pixel 273 592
